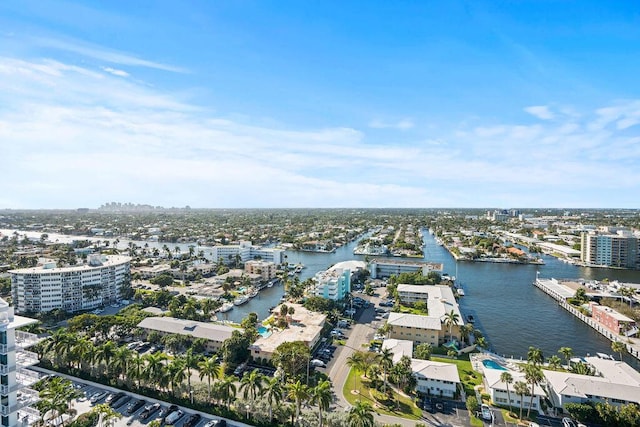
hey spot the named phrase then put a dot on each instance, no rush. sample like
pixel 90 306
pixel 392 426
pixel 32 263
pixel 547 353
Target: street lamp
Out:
pixel 247 407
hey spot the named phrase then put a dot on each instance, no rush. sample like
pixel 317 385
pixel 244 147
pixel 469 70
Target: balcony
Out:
pixel 26 358
pixel 26 339
pixel 25 377
pixel 5 389
pixel 5 348
pixel 4 369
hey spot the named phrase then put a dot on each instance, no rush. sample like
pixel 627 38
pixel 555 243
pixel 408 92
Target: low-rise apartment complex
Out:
pixel 266 269
pixel 381 268
pixel 303 325
pixel 100 281
pixel 214 334
pixel 335 283
pixel 432 328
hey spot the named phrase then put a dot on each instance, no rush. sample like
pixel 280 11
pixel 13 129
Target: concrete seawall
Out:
pixel 632 345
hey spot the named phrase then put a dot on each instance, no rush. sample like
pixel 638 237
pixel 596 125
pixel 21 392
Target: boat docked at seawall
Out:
pixel 253 293
pixel 227 306
pixel 241 300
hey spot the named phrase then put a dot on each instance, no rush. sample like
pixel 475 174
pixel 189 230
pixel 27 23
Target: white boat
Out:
pixel 241 300
pixel 270 284
pixel 253 293
pixel 227 306
pixel 460 292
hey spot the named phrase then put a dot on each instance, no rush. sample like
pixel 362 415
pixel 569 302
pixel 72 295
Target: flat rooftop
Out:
pixel 171 325
pixel 305 326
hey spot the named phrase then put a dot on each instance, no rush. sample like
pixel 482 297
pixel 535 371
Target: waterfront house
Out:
pixel 615 382
pixel 214 334
pixel 611 319
pixel 303 325
pixel 432 378
pixel 498 389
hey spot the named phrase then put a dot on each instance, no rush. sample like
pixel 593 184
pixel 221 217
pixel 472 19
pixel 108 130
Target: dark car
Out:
pixel 134 406
pixel 192 421
pixel 149 410
pixel 118 403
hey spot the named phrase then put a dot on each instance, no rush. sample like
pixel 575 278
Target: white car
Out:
pixel 318 363
pixel 98 397
pixel 486 413
pixel 174 416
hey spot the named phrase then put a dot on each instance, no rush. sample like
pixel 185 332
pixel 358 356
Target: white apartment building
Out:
pixel 500 395
pixel 15 396
pixel 383 267
pixel 244 251
pixel 76 288
pixel 615 382
pixel 335 283
pixel 620 249
pixel 432 378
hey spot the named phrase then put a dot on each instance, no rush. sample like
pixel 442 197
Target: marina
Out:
pixel 547 286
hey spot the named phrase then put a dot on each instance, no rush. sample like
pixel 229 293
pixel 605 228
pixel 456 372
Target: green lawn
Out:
pixel 405 408
pixel 468 376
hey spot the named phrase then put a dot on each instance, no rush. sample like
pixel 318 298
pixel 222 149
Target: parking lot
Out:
pixel 131 410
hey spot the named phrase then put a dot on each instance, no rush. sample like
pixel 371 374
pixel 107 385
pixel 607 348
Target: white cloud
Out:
pixel 101 53
pixel 404 124
pixel 72 136
pixel 540 111
pixel 115 72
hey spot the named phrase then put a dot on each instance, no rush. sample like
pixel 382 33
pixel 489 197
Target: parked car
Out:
pixel 118 403
pixel 486 413
pixel 216 423
pixel 165 412
pixel 113 397
pixel 173 417
pixel 97 397
pixel 192 421
pixel 134 406
pixel 568 422
pixel 318 363
pixel 149 410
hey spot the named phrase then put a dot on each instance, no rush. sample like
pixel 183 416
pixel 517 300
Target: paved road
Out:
pixel 361 333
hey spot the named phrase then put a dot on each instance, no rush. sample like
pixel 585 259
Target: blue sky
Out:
pixel 320 103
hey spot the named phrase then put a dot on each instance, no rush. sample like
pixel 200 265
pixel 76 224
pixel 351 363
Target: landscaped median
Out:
pixel 357 387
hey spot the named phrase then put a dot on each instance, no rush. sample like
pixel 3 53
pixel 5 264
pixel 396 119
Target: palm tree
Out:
pixel 322 395
pixel 105 353
pixel 273 392
pixel 554 362
pixel 507 378
pixel 228 389
pixel 136 368
pixel 451 318
pixel 190 362
pixel 153 371
pixel 57 396
pixel 121 360
pixel 521 388
pixel 534 356
pixel 533 375
pixel 207 307
pixel 105 413
pixel 356 362
pixel 628 293
pixel 385 359
pixel 251 384
pixel 175 372
pixel 298 392
pixel 361 415
pixel 618 347
pixel 209 368
pixel 567 352
pixel 465 331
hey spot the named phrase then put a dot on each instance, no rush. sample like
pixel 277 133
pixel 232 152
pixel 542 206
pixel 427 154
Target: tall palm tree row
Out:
pixel 174 375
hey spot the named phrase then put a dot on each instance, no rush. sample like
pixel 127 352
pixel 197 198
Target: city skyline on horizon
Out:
pixel 286 105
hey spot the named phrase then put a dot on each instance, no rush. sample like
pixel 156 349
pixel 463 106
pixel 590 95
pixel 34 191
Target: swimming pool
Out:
pixel 488 363
pixel 264 331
